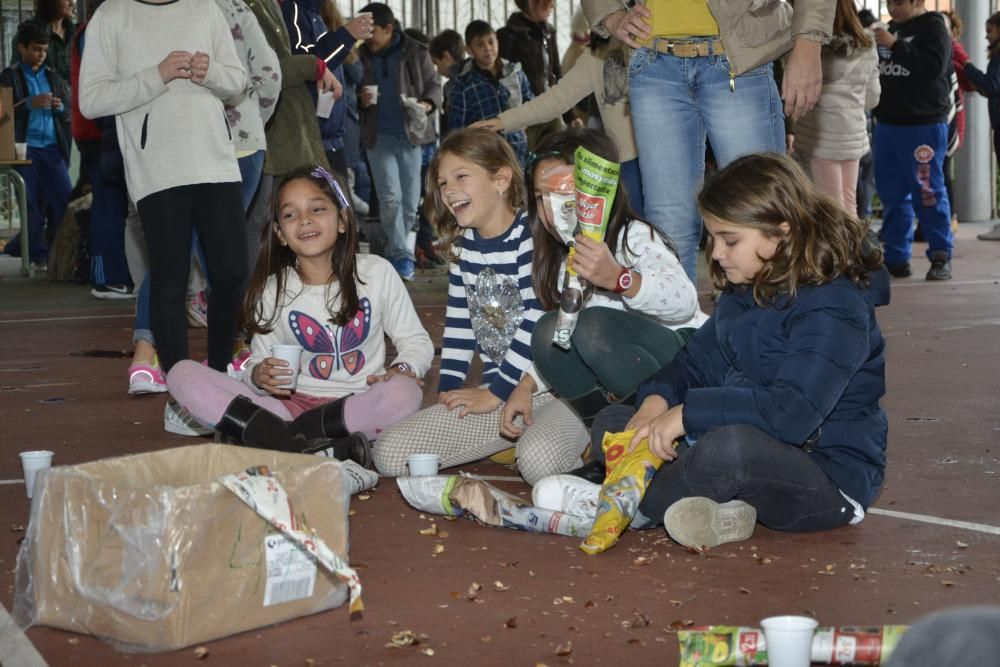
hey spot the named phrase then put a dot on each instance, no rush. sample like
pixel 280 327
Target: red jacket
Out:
pixel 82 128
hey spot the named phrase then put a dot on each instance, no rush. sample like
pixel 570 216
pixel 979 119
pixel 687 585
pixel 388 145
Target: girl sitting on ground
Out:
pixel 775 400
pixel 640 310
pixel 311 288
pixel 476 197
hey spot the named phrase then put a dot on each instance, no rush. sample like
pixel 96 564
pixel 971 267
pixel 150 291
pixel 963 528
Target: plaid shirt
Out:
pixel 478 95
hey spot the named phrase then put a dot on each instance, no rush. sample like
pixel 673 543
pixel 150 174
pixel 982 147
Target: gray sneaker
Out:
pixel 992 235
pixel 699 523
pixel 176 419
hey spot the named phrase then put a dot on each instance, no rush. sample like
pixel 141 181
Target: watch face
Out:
pixel 625 280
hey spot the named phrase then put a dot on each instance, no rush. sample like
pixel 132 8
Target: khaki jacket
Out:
pixel 754 32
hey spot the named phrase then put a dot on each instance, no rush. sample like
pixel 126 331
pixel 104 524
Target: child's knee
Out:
pixel 405 393
pixel 389 455
pixel 183 374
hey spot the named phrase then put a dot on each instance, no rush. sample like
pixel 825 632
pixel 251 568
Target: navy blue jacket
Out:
pixel 13 77
pixel 988 84
pixel 808 373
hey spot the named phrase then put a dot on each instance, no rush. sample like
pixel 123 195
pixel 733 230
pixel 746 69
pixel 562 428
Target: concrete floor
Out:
pixel 944 466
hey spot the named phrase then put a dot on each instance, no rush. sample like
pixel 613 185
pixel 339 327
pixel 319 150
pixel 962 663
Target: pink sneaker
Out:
pixel 146 379
pixel 238 365
pixel 197 311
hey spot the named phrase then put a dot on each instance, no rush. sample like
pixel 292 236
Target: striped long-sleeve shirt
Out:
pixel 509 257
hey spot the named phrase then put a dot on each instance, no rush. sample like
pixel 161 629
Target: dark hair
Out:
pixel 476 29
pixel 549 252
pixel 994 20
pixel 48 11
pixel 824 241
pixel 866 17
pixel 274 259
pixel 485 148
pixel 416 35
pixel 32 32
pixel 382 15
pixel 447 41
pixel 847 23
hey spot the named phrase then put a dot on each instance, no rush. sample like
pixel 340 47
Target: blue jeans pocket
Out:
pixel 722 63
pixel 639 59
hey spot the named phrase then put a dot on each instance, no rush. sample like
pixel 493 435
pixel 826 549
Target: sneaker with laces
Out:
pixel 146 379
pixel 405 268
pixel 238 365
pixel 567 493
pixel 901 270
pixel 940 266
pixel 197 311
pixel 112 292
pixel 992 235
pixel 176 419
pixel 699 523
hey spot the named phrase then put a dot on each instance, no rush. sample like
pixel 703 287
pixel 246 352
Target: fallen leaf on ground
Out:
pixel 639 620
pixel 404 638
pixel 511 622
pixel 438 549
pixel 947 583
pixel 745 591
pixel 486 639
pixel 589 604
pixel 473 591
pixel 427 651
pixel 960 544
pixel 564 650
pixel 201 653
pixel 430 530
pixel 500 586
pixel 363 496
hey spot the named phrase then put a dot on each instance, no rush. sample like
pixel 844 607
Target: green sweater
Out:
pixel 293 137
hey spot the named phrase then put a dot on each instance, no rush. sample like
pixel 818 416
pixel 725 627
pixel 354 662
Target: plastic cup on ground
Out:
pixel 423 465
pixel 293 355
pixel 789 640
pixel 21 150
pixel 373 89
pixel 32 462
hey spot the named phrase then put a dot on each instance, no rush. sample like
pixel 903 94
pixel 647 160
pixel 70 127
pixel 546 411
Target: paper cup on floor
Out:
pixel 293 355
pixel 423 465
pixel 21 150
pixel 324 104
pixel 789 640
pixel 374 93
pixel 32 462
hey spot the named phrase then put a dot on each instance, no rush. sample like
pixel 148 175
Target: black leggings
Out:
pixel 168 216
pixel 783 483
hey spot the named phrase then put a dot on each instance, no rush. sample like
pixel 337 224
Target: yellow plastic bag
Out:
pixel 629 473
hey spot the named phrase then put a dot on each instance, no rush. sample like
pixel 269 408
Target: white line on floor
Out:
pixel 64 319
pixel 938 521
pixel 16 649
pixel 11 481
pixel 896 284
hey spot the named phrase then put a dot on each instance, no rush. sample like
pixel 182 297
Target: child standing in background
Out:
pixel 476 197
pixel 488 85
pixel 988 84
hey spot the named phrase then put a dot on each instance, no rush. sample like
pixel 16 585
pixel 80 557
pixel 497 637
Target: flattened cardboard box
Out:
pixel 148 552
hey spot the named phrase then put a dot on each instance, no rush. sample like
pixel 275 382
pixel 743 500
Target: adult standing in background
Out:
pixel 704 68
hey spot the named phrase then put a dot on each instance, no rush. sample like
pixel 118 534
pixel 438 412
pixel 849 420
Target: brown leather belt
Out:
pixel 683 48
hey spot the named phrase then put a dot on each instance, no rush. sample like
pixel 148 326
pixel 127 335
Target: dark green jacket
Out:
pixel 293 137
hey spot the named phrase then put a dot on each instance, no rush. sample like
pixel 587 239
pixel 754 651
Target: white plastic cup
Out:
pixel 21 150
pixel 293 355
pixel 371 22
pixel 373 89
pixel 324 104
pixel 789 640
pixel 423 465
pixel 32 462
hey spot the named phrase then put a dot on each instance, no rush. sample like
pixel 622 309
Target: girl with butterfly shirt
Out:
pixel 311 288
pixel 475 198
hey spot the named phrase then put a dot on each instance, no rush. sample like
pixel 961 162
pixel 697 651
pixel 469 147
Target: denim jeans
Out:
pixel 676 104
pixel 395 164
pixel 251 167
pixel 783 483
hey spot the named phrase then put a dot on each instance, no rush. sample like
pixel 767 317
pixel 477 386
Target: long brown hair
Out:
pixel 847 23
pixel 764 190
pixel 549 252
pixel 487 149
pixel 276 260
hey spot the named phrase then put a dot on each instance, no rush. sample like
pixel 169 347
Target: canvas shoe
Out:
pixel 568 494
pixel 992 235
pixel 699 523
pixel 112 292
pixel 238 365
pixel 197 311
pixel 404 267
pixel 146 379
pixel 176 419
pixel 940 266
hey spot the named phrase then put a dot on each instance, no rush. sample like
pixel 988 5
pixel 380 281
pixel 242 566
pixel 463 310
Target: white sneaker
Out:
pixel 567 493
pixel 699 523
pixel 176 419
pixel 992 235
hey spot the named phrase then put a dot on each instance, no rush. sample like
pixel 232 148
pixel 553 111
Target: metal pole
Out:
pixel 974 179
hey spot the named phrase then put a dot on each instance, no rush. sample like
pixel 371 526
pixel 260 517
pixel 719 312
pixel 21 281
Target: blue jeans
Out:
pixel 395 164
pixel 909 175
pixel 251 167
pixel 632 182
pixel 676 104
pixel 46 181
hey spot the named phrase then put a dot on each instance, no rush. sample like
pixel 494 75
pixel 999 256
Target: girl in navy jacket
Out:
pixel 775 401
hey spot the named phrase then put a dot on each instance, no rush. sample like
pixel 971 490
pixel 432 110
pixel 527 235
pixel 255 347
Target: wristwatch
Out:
pixel 403 367
pixel 625 280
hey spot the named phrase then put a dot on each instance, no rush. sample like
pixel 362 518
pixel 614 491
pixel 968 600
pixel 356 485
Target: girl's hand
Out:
pixel 393 372
pixel 270 374
pixel 177 65
pixel 199 67
pixel 360 27
pixel 518 403
pixel 491 124
pixel 884 37
pixel 652 407
pixel 629 25
pixel 471 401
pixel 662 431
pixel 594 262
pixel 330 83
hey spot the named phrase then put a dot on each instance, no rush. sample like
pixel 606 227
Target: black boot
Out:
pixel 327 421
pixel 249 424
pixel 592 472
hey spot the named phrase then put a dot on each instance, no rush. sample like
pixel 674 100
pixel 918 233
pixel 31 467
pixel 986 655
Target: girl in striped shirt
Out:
pixel 475 196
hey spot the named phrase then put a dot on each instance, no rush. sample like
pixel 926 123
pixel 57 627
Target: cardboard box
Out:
pixel 7 125
pixel 150 553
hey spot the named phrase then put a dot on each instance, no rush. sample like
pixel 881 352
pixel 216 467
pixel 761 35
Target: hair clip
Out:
pixel 321 172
